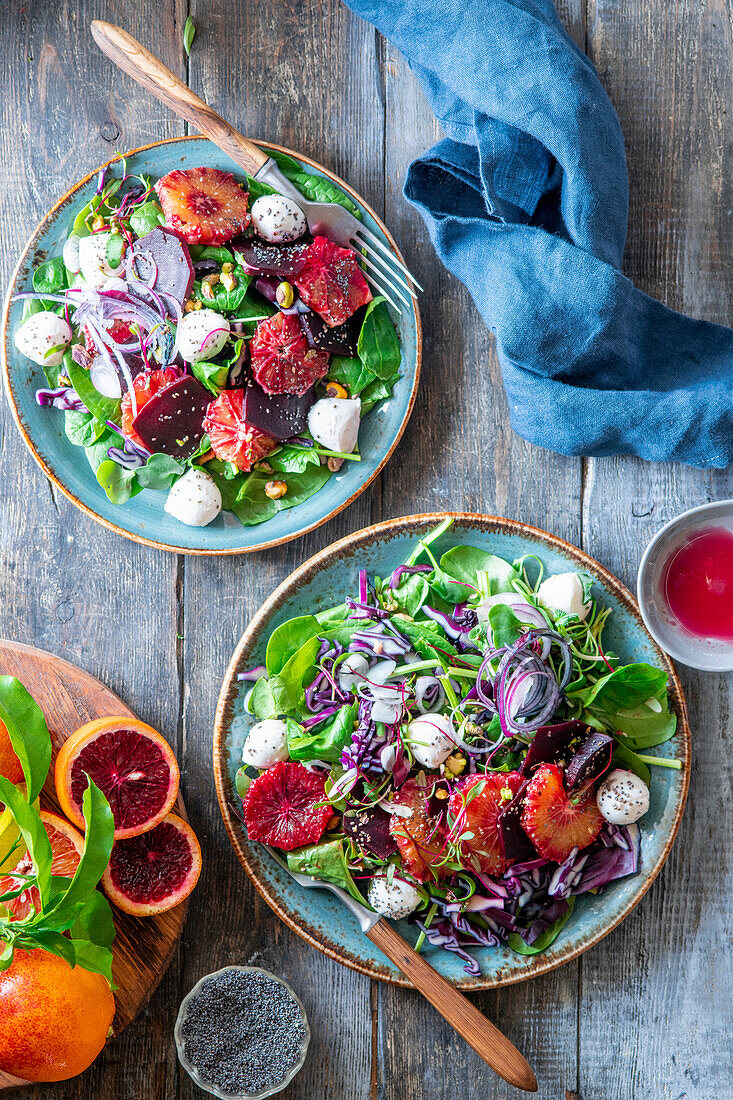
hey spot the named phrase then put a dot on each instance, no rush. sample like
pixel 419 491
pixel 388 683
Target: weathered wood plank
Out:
pixel 67 584
pixel 656 994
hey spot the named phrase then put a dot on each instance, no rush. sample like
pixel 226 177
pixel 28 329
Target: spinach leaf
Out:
pixel 376 391
pixel 252 310
pixel 625 688
pixel 50 277
pixel 327 741
pixel 104 408
pixel 449 589
pixel 427 639
pixel 253 506
pixel 505 626
pixel 626 758
pixel 145 217
pixel 326 862
pixel 411 593
pixel 292 459
pixel 313 188
pixel 28 732
pixel 287 639
pixel 97 452
pixel 283 694
pixel 351 373
pixel 210 374
pixel 378 345
pixel 82 429
pixel 226 301
pixel 466 562
pixel 211 252
pixel 544 940
pixel 118 483
pixel 159 472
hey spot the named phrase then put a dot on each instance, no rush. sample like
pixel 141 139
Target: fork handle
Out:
pixel 464 1017
pixel 130 56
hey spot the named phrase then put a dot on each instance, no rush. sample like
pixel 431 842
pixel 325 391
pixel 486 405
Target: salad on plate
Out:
pixel 198 339
pixel 453 745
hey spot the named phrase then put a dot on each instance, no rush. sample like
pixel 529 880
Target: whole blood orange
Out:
pixel 151 873
pixel 54 1018
pixel 67 845
pixel 9 763
pixel 133 766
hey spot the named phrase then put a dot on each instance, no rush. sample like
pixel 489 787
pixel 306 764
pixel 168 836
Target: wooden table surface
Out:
pixel 645 1015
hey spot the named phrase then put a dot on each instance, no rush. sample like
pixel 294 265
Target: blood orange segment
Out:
pixel 555 822
pixel 420 834
pixel 286 806
pixel 119 331
pixel 132 765
pixel 475 818
pixel 203 205
pixel 232 438
pixel 67 845
pixel 331 281
pixel 282 359
pixel 155 871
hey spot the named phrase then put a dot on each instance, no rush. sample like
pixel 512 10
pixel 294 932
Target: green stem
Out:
pixel 471 673
pixel 419 666
pixel 428 921
pixel 424 543
pixel 450 693
pixel 336 454
pixel 660 761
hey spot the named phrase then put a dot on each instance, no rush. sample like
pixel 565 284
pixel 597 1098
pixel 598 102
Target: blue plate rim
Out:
pixel 535 965
pixel 5 336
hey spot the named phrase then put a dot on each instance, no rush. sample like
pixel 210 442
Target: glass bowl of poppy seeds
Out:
pixel 241 1033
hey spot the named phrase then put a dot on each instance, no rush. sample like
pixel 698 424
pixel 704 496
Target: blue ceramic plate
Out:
pixel 143 518
pixel 324 580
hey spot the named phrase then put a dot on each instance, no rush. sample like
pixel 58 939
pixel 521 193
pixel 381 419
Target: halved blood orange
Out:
pixel 67 845
pixel 133 766
pixel 155 871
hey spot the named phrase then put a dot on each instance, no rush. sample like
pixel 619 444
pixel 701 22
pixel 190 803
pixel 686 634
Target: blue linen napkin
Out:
pixel 526 201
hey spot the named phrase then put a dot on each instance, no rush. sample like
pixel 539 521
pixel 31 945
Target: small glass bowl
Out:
pixel 207 1086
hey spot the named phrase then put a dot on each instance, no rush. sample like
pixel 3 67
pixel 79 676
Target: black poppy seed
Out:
pixel 243 1032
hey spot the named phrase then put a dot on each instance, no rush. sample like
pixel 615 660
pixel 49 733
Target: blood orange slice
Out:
pixel 67 845
pixel 285 807
pixel 151 873
pixel 133 766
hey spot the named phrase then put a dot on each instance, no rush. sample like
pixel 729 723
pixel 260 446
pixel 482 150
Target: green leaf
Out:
pixel 211 252
pixel 287 639
pixel 326 741
pixel 253 506
pixel 226 301
pixel 626 688
pixel 314 188
pixel 625 758
pixel 92 957
pixel 326 862
pixel 283 694
pixel 98 841
pixel 377 391
pixel 428 640
pixel 145 217
pixel 159 472
pixel 28 820
pixel 82 429
pixel 189 33
pixel 50 277
pixel 466 562
pixel 505 626
pixel 117 482
pixel 29 736
pixel 211 374
pixel 411 593
pixel 97 452
pixel 350 373
pixel 104 408
pixel 294 459
pixel 378 345
pixel 242 782
pixel 543 941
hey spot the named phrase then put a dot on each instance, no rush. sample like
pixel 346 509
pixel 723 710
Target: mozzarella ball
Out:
pixel 431 739
pixel 512 599
pixel 202 334
pixel 334 423
pixel 564 592
pixel 93 260
pixel 70 254
pixel 395 899
pixel 352 671
pixel 194 499
pixel 276 218
pixel 266 744
pixel 622 797
pixel 41 332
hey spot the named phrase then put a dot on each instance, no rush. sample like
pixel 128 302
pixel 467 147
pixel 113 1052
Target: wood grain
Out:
pixel 69 697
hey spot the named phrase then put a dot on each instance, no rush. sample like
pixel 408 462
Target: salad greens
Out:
pixel 457 727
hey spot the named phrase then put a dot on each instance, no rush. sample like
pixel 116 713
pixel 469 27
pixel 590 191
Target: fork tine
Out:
pixel 386 270
pixel 381 290
pixel 387 277
pixel 376 243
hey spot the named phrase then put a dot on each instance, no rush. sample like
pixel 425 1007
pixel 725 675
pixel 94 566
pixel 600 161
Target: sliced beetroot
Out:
pixel 173 269
pixel 172 421
pixel 554 745
pixel 515 844
pixel 590 761
pixel 340 340
pixel 279 415
pixel 283 260
pixel 369 829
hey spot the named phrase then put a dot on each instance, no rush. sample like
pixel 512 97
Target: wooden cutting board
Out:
pixel 69 697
